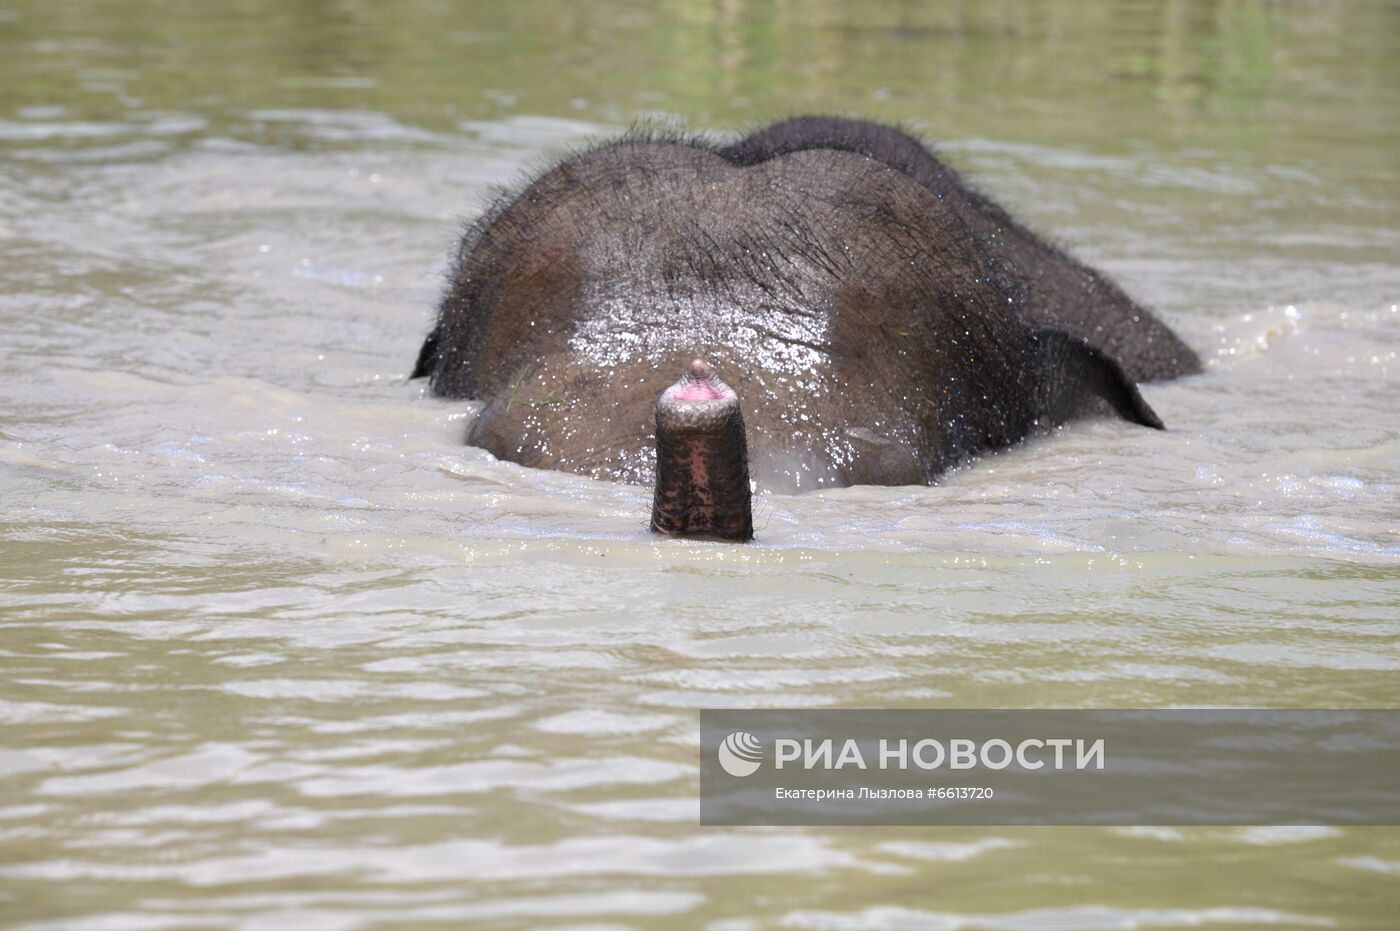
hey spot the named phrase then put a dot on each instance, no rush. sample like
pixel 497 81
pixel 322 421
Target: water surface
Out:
pixel 277 650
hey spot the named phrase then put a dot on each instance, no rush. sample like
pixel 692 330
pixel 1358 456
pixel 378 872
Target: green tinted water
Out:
pixel 276 650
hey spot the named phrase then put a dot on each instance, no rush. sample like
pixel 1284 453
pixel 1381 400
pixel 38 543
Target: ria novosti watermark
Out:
pixel 928 753
pixel 1211 766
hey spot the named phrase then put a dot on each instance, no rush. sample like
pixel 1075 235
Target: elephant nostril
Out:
pixel 698 391
pixel 699 383
pixel 700 402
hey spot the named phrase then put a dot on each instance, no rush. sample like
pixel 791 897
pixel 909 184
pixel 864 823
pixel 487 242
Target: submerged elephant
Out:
pixel 881 321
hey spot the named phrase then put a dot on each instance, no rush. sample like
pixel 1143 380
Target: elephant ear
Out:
pixel 427 356
pixel 1073 374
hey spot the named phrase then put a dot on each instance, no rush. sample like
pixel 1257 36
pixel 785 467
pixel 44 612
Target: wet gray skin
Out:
pixel 880 321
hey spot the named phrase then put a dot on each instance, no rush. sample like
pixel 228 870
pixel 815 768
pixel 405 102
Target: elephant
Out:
pixel 882 321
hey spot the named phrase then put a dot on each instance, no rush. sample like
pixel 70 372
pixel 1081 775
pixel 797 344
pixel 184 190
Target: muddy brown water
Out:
pixel 276 650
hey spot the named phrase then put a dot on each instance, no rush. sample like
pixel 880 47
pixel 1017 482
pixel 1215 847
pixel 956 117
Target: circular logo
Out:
pixel 741 754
